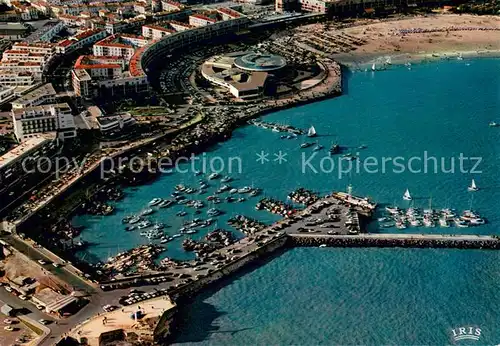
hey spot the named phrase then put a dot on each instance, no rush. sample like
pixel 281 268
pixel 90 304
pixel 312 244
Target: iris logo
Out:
pixel 466 333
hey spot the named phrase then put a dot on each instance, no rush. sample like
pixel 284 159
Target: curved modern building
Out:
pixel 260 62
pixel 140 62
pixel 244 74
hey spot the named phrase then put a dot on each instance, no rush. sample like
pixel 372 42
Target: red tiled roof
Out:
pixel 229 12
pixel 82 63
pixel 88 33
pixel 135 67
pixel 65 43
pixel 12 51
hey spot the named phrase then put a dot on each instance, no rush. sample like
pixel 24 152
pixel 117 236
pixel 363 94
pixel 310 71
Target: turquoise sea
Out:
pixel 439 110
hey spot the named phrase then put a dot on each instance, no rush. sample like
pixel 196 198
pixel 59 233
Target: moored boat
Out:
pixel 213 176
pixel 155 201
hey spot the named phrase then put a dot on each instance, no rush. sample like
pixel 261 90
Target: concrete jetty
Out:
pixel 463 241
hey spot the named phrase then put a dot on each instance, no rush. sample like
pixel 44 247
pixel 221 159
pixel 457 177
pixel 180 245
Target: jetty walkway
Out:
pixel 459 241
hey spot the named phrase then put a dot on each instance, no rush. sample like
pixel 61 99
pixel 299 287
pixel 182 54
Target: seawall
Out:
pixel 396 240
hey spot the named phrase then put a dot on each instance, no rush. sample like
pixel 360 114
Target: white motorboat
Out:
pixel 135 219
pixel 147 212
pixel 393 210
pixel 477 221
pixel 213 176
pixel 443 222
pixel 245 189
pixel 213 212
pixel 155 201
pixel 461 223
pixel 226 179
pixel 166 203
pixel 144 224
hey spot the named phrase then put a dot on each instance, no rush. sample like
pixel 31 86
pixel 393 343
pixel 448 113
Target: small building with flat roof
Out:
pixel 41 95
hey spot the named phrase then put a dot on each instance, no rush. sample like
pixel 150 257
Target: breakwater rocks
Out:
pixel 397 240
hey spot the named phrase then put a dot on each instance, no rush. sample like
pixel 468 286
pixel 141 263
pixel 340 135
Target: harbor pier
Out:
pixel 455 241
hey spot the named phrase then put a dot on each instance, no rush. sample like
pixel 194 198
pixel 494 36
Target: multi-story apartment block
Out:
pixel 30 121
pixel 156 31
pixel 201 20
pixel 119 45
pixel 80 40
pixel 41 95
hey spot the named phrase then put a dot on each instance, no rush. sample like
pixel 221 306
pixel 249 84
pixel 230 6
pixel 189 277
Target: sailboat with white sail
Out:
pixel 407 196
pixel 473 187
pixel 374 68
pixel 311 132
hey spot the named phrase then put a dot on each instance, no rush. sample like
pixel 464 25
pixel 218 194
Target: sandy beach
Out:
pixel 447 35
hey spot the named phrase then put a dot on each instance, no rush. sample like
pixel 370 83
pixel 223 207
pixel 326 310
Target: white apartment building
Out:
pixel 167 5
pixel 43 94
pixel 24 56
pixel 37 48
pixel 80 40
pixel 119 45
pixel 13 66
pixel 201 20
pixel 14 79
pixel 155 31
pixel 30 121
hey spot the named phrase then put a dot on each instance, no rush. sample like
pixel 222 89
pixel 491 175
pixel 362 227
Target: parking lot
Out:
pixel 14 332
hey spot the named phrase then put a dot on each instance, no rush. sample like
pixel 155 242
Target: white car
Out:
pixel 42 262
pixel 23 297
pixel 9 328
pixel 8 288
pixel 108 308
pixel 8 321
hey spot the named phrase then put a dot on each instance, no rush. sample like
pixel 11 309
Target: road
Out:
pixel 67 273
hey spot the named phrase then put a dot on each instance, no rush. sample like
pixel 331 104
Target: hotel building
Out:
pixel 31 121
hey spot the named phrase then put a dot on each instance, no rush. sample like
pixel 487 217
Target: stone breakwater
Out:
pixel 397 240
